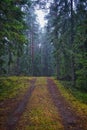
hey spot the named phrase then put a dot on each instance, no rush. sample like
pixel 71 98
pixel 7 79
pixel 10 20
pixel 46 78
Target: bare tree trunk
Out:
pixel 57 68
pixel 9 60
pixel 18 66
pixel 32 53
pixel 72 40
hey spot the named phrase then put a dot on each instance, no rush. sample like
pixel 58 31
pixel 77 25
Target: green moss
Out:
pixel 10 87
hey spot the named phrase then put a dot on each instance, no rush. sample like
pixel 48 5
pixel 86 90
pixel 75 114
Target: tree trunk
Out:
pixel 57 68
pixel 72 40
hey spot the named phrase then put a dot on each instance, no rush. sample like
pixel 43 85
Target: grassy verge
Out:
pixel 11 87
pixel 12 90
pixel 80 95
pixel 40 113
pixel 81 108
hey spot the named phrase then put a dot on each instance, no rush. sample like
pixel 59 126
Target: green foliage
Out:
pixel 82 77
pixel 76 92
pixel 67 30
pixel 81 56
pixel 12 27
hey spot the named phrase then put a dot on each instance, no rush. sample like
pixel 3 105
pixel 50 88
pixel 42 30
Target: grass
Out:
pixel 12 90
pixel 80 107
pixel 40 113
pixel 80 95
pixel 11 87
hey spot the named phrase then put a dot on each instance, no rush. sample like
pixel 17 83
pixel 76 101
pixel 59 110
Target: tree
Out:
pixel 12 31
pixel 80 44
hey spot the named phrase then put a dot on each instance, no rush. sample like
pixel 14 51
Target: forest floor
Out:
pixel 39 103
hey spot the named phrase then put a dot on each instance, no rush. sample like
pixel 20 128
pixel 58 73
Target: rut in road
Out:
pixel 69 118
pixel 40 112
pixel 15 116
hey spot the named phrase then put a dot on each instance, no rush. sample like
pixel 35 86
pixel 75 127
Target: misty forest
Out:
pixel 43 68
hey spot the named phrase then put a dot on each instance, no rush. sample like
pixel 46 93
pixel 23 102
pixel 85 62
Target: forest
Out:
pixel 63 50
pixel 43 70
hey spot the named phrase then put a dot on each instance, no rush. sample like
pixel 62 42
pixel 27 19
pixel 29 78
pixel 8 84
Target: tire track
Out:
pixel 70 120
pixel 15 116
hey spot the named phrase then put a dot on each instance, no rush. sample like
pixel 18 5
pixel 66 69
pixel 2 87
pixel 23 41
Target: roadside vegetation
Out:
pixel 74 98
pixel 12 91
pixel 11 87
pixel 81 95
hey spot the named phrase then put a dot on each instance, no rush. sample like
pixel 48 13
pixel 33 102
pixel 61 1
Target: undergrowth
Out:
pixel 79 94
pixel 11 86
pixel 80 107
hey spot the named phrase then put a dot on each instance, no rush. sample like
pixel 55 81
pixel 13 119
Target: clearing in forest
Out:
pixel 39 104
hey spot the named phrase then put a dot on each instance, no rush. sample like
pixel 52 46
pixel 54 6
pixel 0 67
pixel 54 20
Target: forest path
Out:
pixel 43 107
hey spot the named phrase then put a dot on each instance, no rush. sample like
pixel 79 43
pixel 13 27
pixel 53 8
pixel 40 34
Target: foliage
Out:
pixel 12 26
pixel 76 92
pixel 67 30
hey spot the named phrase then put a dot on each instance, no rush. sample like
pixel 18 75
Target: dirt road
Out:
pixel 43 108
